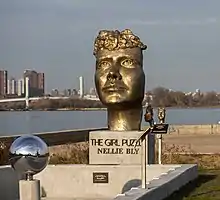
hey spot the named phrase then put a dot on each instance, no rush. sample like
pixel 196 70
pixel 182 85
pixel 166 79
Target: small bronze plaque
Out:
pixel 100 177
pixel 160 128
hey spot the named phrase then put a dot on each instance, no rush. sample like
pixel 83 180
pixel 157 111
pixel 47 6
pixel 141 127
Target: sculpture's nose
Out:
pixel 114 75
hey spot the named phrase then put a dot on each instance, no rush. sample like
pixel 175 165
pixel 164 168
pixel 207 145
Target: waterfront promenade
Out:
pixel 202 139
pixel 195 143
pixel 192 138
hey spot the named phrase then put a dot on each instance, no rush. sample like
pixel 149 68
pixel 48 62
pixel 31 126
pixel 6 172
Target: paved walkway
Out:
pixel 71 199
pixel 204 143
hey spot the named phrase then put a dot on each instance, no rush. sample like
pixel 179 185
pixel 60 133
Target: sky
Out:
pixel 57 36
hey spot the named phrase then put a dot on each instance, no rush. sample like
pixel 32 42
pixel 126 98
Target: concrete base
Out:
pixel 68 182
pixel 77 181
pixel 29 190
pixel 118 147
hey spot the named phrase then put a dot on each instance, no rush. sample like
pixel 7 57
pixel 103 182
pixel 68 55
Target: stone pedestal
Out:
pixel 29 190
pixel 119 147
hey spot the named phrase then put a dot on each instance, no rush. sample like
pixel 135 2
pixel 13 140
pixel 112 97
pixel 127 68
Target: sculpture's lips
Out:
pixel 114 88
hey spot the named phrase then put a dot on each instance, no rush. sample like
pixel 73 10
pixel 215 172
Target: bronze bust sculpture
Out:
pixel 119 77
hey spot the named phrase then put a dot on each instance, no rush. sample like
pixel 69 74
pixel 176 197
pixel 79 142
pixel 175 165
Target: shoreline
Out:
pixel 59 109
pixel 104 109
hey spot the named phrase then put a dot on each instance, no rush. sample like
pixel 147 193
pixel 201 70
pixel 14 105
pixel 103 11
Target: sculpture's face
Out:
pixel 119 77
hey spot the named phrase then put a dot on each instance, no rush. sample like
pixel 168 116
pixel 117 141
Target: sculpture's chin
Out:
pixel 113 100
pixel 122 104
pixel 120 100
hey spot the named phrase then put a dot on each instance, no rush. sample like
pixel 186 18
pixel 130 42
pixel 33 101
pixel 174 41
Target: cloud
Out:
pixel 192 22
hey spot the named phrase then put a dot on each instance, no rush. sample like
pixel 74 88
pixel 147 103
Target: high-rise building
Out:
pixel 20 87
pixel 36 82
pixel 81 87
pixel 41 83
pixel 3 82
pixel 33 78
pixel 9 86
pixel 12 86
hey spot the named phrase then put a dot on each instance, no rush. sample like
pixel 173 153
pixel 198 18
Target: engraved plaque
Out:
pixel 160 128
pixel 100 177
pixel 110 147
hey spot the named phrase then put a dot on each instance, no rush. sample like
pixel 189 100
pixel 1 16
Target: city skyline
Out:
pixel 12 87
pixel 79 88
pixel 10 76
pixel 57 37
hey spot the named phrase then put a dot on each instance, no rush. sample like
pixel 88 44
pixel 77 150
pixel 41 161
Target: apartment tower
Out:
pixel 3 82
pixel 36 83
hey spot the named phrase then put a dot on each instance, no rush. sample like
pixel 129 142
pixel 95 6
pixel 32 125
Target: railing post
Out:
pixel 143 164
pixel 159 149
pixel 144 146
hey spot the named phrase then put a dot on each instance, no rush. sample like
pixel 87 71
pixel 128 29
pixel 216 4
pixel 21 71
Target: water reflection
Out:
pixel 37 121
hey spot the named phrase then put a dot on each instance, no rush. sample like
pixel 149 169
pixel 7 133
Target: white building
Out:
pixel 12 86
pixel 92 91
pixel 81 87
pixel 20 88
pixel 9 86
pixel 198 91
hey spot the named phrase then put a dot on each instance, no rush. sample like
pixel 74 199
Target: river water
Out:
pixel 12 123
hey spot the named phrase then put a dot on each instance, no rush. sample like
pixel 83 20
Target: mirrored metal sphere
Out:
pixel 28 155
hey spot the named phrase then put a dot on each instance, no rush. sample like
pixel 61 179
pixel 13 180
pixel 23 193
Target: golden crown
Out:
pixel 113 40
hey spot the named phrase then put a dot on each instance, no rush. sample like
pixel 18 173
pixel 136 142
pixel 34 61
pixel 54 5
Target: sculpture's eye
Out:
pixel 127 63
pixel 104 64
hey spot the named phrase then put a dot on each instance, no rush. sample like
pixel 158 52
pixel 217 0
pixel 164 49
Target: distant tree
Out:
pixel 160 96
pixel 210 99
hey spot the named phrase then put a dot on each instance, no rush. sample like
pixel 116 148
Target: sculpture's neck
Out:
pixel 124 120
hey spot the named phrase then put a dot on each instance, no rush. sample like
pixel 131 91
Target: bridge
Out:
pixel 27 99
pixel 30 99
